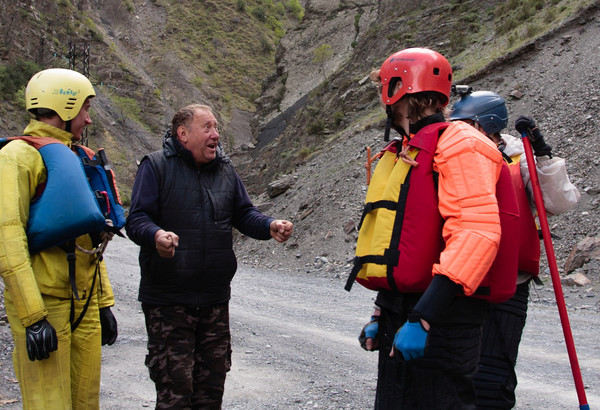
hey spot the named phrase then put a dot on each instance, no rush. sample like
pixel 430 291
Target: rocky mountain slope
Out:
pixel 553 79
pixel 310 125
pixel 306 106
pixel 313 120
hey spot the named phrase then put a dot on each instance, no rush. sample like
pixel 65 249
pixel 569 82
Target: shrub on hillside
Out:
pixel 15 76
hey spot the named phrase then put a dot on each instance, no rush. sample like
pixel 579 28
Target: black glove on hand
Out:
pixel 41 340
pixel 109 326
pixel 527 125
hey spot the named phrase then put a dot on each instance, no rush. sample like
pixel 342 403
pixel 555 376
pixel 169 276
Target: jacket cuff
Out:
pixel 437 297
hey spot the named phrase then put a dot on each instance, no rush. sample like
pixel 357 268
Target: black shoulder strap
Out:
pixel 506 158
pixel 69 248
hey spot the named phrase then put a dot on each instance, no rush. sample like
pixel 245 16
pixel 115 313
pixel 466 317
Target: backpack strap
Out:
pixel 69 248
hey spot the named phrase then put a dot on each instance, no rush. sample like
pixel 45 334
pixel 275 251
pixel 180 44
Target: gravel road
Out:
pixel 294 342
pixel 294 346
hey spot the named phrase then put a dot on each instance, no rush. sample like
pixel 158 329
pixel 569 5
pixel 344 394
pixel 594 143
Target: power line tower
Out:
pixel 79 57
pixel 79 60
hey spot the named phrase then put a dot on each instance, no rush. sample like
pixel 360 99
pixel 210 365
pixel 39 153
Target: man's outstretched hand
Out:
pixel 281 230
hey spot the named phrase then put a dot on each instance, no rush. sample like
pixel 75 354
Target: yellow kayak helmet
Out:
pixel 60 90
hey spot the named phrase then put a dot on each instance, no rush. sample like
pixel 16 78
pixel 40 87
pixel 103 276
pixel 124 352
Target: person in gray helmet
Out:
pixel 496 380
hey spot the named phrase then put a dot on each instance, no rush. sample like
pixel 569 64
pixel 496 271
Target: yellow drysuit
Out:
pixel 37 287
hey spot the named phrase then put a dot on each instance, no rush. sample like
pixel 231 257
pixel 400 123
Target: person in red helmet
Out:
pixel 428 240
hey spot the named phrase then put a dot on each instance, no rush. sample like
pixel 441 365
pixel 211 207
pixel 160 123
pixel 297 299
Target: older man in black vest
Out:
pixel 186 199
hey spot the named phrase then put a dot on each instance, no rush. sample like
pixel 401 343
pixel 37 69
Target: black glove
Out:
pixel 527 125
pixel 109 326
pixel 41 340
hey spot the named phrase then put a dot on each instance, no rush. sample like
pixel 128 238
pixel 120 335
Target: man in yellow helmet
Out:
pixel 58 307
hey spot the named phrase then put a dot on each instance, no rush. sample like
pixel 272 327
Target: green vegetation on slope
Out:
pixel 504 28
pixel 225 49
pixel 230 44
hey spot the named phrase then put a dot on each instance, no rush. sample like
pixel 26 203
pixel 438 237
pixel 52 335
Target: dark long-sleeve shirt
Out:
pixel 144 210
pixel 201 204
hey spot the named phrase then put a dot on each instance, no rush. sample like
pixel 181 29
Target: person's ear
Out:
pixel 182 134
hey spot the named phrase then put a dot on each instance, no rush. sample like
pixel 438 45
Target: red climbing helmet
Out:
pixel 419 70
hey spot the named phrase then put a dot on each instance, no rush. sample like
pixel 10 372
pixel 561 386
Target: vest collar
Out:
pixel 423 122
pixel 172 147
pixel 427 132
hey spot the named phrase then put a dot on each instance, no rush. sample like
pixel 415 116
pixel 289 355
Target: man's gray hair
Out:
pixel 185 115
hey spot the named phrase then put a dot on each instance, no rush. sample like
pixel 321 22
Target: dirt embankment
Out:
pixel 556 81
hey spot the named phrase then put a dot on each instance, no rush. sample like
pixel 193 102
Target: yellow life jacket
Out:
pixel 400 237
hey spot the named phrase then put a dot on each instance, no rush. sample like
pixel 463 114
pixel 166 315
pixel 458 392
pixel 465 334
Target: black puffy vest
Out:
pixel 196 203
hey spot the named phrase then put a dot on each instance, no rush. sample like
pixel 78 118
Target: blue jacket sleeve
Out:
pixel 247 218
pixel 144 209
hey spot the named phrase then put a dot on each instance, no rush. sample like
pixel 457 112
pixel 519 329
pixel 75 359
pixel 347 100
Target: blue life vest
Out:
pixel 102 180
pixel 66 208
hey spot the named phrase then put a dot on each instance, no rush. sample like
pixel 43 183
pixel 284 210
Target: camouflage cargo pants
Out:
pixel 189 354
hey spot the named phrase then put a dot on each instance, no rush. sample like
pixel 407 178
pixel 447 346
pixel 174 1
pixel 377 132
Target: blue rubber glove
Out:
pixel 410 340
pixel 370 330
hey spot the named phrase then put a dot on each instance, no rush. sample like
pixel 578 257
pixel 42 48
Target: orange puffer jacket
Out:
pixel 469 166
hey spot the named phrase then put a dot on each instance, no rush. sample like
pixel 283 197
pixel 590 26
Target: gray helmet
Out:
pixel 486 108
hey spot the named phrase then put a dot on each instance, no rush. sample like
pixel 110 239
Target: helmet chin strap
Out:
pixel 68 126
pixel 389 124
